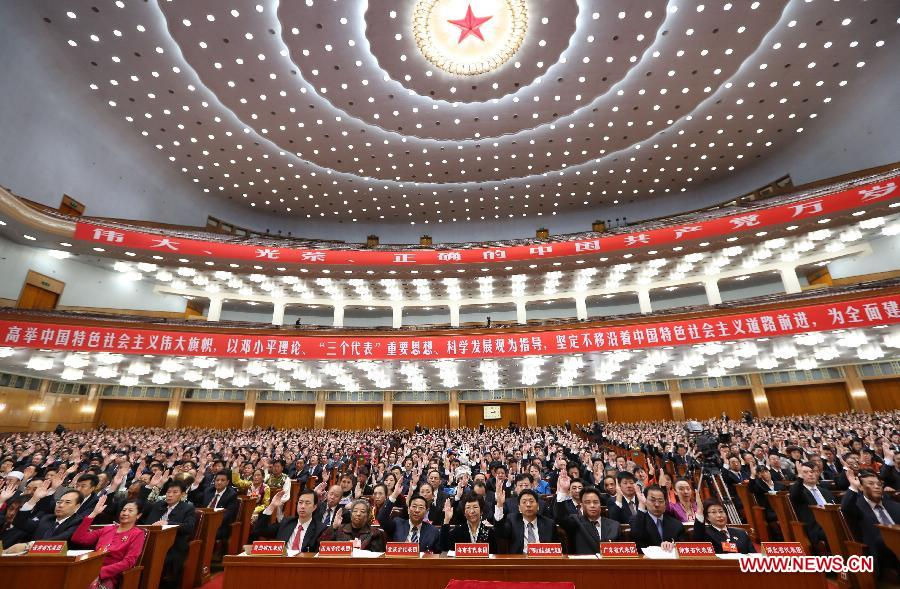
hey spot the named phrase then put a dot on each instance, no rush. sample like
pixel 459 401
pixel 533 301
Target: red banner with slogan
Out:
pixel 863 312
pixel 755 220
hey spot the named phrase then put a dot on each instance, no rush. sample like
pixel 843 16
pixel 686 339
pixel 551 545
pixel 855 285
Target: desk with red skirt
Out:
pixel 435 572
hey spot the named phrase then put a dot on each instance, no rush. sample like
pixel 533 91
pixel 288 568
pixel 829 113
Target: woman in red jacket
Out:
pixel 123 542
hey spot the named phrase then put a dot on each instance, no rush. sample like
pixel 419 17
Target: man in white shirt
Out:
pixel 57 526
pixel 865 507
pixel 525 527
pixel 804 493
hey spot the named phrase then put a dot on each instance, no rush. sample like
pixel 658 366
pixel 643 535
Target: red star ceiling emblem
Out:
pixel 470 25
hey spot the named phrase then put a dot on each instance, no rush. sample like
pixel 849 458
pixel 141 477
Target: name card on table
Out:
pixel 782 549
pixel 619 550
pixel 336 549
pixel 402 549
pixel 57 547
pixel 545 549
pixel 268 548
pixel 694 549
pixel 472 550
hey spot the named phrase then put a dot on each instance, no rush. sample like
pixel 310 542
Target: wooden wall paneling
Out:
pixel 58 409
pixel 884 395
pixel 558 411
pixel 830 397
pixel 638 408
pixel 208 415
pixel 116 413
pixel 474 414
pixel 354 416
pixel 708 404
pixel 426 414
pixel 284 415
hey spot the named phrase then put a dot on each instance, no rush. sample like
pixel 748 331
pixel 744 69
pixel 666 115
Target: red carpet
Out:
pixel 215 582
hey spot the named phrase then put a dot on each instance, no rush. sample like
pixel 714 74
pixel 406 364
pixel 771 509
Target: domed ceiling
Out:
pixel 428 111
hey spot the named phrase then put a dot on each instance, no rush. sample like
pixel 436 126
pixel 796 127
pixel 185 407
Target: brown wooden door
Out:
pixel 35 297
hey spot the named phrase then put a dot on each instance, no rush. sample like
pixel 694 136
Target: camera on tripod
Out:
pixel 707 444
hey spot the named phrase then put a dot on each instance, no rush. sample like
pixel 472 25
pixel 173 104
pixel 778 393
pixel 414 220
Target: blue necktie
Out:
pixel 659 527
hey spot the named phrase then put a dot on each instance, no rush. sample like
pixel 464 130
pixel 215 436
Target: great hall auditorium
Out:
pixel 452 294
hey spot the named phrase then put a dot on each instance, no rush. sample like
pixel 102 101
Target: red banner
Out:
pixel 707 229
pixel 841 315
pixel 856 313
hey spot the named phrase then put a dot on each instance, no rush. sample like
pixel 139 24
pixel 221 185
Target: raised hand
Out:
pixel 99 507
pixel 159 478
pixel 8 491
pixel 278 499
pixel 338 518
pixel 642 501
pixel 500 495
pixel 43 490
pixel 448 511
pixel 563 483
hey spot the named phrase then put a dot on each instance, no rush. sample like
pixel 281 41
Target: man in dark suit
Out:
pixel 864 506
pixel 652 526
pixel 303 537
pixel 414 529
pixel 60 525
pixel 525 527
pixel 173 511
pixel 625 504
pixel 87 484
pixel 587 528
pixel 222 496
pixel 804 493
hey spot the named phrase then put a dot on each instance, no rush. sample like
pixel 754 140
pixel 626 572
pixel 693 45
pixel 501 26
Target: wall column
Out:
pixel 278 314
pixel 249 409
pixel 859 399
pixel 600 402
pixel 530 408
pixel 89 407
pixel 454 315
pixel 675 400
pixel 644 301
pixel 339 315
pixel 580 308
pixel 454 410
pixel 387 411
pixel 713 296
pixel 174 408
pixel 760 400
pixel 319 418
pixel 214 313
pixel 790 280
pixel 521 317
pixel 397 313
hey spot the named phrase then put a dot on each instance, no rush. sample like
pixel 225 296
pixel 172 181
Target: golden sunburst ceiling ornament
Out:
pixel 469 38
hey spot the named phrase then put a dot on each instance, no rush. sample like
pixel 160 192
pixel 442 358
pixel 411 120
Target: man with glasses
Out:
pixel 651 525
pixel 60 525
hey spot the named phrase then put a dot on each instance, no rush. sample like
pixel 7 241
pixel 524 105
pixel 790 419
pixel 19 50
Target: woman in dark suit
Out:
pixel 712 527
pixel 474 530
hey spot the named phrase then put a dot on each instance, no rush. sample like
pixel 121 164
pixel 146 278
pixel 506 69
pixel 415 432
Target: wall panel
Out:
pixel 712 403
pixel 805 399
pixel 557 412
pixel 18 415
pixel 284 415
pixel 427 415
pixel 211 415
pixel 353 416
pixel 474 414
pixel 638 408
pixel 884 395
pixel 117 413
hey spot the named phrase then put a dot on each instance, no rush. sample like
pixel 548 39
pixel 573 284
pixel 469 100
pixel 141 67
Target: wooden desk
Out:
pixel 241 533
pixel 156 546
pixel 209 522
pixel 891 537
pixel 434 572
pixel 59 572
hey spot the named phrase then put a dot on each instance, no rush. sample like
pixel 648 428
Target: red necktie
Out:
pixel 295 545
